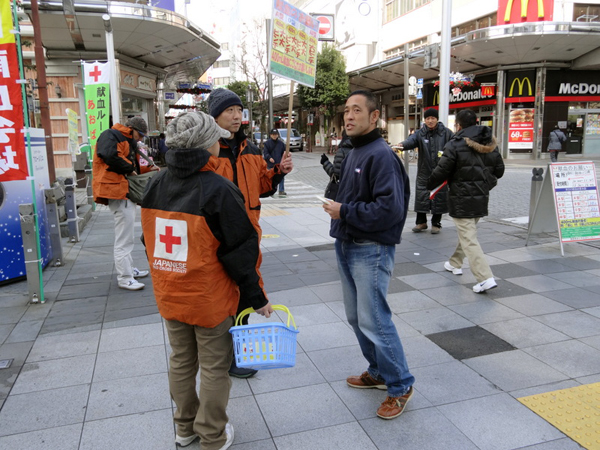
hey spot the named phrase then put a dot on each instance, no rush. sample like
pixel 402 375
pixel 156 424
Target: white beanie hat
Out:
pixel 194 130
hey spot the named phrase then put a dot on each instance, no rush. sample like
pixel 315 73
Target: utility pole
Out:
pixel 269 76
pixel 445 61
pixel 43 88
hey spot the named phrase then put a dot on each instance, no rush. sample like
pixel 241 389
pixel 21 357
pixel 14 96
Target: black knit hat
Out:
pixel 138 124
pixel 221 99
pixel 431 112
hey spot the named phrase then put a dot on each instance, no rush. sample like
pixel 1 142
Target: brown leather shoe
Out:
pixel 365 381
pixel 435 230
pixel 419 228
pixel 392 407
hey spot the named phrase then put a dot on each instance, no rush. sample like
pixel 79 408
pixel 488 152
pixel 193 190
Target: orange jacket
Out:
pixel 247 169
pixel 201 246
pixel 113 160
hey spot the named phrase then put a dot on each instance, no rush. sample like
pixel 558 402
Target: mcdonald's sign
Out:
pixel 521 85
pixel 518 11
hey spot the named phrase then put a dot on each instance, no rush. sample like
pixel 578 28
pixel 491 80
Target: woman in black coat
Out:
pixel 333 170
pixel 430 140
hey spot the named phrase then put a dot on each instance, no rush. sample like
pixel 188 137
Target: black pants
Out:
pixel 436 219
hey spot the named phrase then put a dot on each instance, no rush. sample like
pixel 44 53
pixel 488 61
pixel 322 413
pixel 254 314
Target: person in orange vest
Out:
pixel 242 162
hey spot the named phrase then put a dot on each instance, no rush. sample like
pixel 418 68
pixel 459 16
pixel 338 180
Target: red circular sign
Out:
pixel 324 24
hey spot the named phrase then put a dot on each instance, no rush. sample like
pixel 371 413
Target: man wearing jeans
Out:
pixel 367 221
pixel 115 158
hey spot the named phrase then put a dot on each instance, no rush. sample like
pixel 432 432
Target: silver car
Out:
pixel 296 143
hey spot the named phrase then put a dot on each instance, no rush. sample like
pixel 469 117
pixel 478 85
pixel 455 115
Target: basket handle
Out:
pixel 283 308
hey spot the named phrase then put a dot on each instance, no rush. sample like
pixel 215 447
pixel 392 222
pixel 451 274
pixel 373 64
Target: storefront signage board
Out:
pixel 568 203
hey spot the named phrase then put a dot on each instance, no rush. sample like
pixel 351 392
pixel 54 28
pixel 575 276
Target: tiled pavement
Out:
pixel 90 365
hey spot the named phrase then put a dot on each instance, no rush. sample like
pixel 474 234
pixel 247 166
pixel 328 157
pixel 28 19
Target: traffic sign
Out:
pixel 419 94
pixel 326 26
pixel 420 83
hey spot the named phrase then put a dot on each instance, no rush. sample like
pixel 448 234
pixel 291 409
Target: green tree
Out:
pixel 240 88
pixel 331 84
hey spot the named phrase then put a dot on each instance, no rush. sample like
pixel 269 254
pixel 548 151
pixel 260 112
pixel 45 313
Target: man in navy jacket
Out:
pixel 367 220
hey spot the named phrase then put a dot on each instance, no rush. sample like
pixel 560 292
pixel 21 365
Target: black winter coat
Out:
pixel 431 145
pixel 468 194
pixel 342 151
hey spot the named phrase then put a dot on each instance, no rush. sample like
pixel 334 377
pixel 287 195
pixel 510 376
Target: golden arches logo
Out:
pixel 521 83
pixel 436 98
pixel 524 6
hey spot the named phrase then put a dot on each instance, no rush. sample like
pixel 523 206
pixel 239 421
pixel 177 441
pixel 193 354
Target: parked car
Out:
pixel 257 140
pixel 296 143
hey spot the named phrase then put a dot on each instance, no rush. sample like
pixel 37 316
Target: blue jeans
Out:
pixel 281 186
pixel 365 269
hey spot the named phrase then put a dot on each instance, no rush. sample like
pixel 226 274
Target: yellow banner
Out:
pixel 7 23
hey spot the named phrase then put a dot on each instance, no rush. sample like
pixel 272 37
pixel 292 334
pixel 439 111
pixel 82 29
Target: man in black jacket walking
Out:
pixel 430 139
pixel 469 160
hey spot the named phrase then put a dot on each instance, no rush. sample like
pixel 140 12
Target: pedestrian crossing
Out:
pixel 299 195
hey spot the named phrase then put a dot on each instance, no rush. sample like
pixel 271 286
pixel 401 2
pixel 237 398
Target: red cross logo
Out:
pixel 169 240
pixel 95 74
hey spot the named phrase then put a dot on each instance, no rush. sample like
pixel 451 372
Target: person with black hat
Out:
pixel 430 141
pixel 114 159
pixel 273 152
pixel 241 162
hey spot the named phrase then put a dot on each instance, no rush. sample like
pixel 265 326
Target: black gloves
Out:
pixel 324 158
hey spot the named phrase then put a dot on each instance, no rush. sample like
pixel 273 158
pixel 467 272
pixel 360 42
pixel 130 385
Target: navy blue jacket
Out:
pixel 273 149
pixel 374 193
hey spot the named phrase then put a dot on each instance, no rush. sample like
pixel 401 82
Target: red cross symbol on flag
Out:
pixel 171 241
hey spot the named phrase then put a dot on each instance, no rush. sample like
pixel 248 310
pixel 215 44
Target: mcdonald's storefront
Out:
pixel 571 100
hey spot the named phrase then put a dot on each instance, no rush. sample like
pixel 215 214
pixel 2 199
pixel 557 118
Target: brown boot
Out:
pixel 392 407
pixel 365 381
pixel 420 227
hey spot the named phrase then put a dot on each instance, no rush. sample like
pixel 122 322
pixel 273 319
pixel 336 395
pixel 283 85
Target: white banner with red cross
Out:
pixel 96 78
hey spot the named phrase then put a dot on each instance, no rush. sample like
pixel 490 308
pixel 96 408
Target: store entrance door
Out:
pixel 575 133
pixel 591 143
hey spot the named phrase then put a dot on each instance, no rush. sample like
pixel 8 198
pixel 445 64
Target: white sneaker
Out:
pixel 229 433
pixel 485 285
pixel 450 268
pixel 131 285
pixel 140 273
pixel 185 441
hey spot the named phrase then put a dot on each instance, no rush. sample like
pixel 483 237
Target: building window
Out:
pixel 483 22
pixel 586 13
pixel 221 64
pixel 221 81
pixel 396 8
pixel 225 46
pixel 412 46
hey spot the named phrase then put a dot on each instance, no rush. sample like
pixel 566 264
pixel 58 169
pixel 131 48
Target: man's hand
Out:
pixel 134 173
pixel 324 158
pixel 400 146
pixel 333 209
pixel 286 165
pixel 266 310
pixel 271 160
pixel 155 167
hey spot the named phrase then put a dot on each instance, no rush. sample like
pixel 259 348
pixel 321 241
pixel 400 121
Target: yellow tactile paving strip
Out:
pixel 574 411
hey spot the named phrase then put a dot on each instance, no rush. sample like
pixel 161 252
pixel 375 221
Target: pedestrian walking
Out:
pixel 114 159
pixel 555 144
pixel 430 140
pixel 367 221
pixel 273 152
pixel 241 162
pixel 471 164
pixel 202 249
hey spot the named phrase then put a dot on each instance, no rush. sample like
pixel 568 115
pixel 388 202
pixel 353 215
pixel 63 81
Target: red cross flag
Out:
pixel 96 78
pixel 171 240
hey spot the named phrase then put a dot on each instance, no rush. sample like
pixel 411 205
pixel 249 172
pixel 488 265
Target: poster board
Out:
pixel 569 203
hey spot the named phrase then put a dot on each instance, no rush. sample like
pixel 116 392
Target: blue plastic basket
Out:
pixel 266 345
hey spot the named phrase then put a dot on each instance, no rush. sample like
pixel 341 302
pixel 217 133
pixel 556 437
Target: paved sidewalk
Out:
pixel 90 365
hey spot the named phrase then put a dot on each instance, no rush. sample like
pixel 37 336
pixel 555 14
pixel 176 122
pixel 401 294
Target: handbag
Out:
pixel 332 188
pixel 137 186
pixel 490 178
pixel 137 183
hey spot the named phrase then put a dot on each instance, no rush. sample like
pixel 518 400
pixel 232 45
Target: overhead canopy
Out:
pixel 563 44
pixel 153 36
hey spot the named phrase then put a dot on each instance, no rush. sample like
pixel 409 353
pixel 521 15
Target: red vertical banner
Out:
pixel 13 157
pixel 518 11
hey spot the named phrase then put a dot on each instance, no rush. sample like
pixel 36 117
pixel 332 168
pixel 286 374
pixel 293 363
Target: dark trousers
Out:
pixel 436 219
